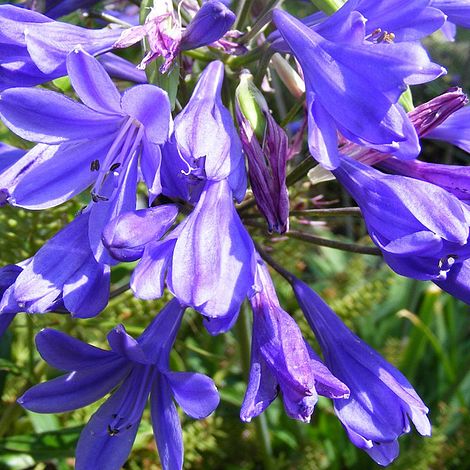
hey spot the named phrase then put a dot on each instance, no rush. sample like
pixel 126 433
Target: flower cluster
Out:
pixel 108 142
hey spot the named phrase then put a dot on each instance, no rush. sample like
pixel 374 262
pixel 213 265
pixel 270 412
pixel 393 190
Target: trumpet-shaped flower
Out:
pixel 208 259
pixel 34 48
pixel 381 401
pixel 281 359
pixel 421 229
pixel 343 96
pixel 138 368
pixel 98 143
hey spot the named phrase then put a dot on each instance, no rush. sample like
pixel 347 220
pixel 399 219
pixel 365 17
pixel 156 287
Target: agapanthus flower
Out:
pixel 8 156
pixel 167 38
pixel 382 401
pixel 421 229
pixel 34 48
pixel 282 360
pixel 212 272
pixel 342 96
pixel 205 135
pixel 64 271
pixel 99 143
pixel 267 157
pixel 457 11
pixel 138 368
pixel 394 20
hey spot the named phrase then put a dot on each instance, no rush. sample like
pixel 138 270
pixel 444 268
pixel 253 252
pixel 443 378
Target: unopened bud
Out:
pixel 288 75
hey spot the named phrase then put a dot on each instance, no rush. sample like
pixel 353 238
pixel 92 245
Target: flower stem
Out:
pixel 307 237
pixel 328 6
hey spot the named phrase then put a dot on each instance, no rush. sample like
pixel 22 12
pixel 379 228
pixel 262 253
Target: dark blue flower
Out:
pixel 138 368
pixel 343 95
pixel 281 359
pixel 381 401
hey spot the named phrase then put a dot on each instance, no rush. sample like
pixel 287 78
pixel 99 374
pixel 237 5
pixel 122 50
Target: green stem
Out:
pixel 244 7
pixel 290 116
pixel 328 6
pixel 261 425
pixel 263 65
pixel 248 58
pixel 307 237
pixel 263 19
pixel 300 171
pixel 335 212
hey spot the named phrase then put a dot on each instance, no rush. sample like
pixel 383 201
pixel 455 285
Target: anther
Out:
pixel 95 165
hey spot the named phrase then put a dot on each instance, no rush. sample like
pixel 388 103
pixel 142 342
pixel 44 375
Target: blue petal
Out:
pixel 140 102
pixel 75 390
pixel 195 393
pixel 92 84
pixel 166 425
pixel 100 448
pixel 66 353
pixel 45 116
pixel 125 345
pixel 126 236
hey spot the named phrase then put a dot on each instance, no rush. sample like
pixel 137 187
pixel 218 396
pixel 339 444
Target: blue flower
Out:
pixel 138 368
pixel 281 359
pixel 381 400
pixel 98 143
pixel 208 259
pixel 343 95
pixel 33 48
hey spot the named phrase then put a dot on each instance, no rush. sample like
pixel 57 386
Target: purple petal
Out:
pixel 75 390
pixel 56 173
pixel 213 273
pixel 98 447
pixel 92 84
pixel 67 353
pixel 45 116
pixel 125 345
pixel 127 235
pixel 195 393
pixel 86 292
pixel 166 425
pixel 140 102
pixel 147 281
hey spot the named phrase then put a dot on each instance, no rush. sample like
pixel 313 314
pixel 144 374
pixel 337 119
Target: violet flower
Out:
pixel 97 143
pixel 397 20
pixel 342 97
pixel 213 272
pixel 421 229
pixel 64 270
pixel 166 37
pixel 138 368
pixel 33 48
pixel 455 129
pixel 8 306
pixel 381 401
pixel 457 11
pixel 206 137
pixel 282 360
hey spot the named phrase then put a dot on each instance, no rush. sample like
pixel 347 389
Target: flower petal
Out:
pixel 166 425
pixel 67 353
pixel 75 390
pixel 195 393
pixel 92 84
pixel 45 116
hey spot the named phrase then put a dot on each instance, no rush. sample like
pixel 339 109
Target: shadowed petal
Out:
pixel 195 393
pixel 75 390
pixel 166 425
pixel 67 353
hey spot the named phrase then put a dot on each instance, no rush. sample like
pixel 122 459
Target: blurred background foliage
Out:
pixel 417 327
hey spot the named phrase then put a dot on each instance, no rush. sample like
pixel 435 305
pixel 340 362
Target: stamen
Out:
pixel 95 165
